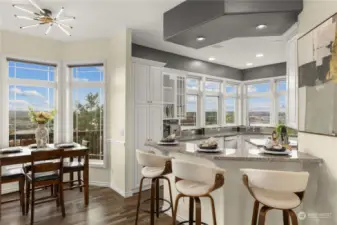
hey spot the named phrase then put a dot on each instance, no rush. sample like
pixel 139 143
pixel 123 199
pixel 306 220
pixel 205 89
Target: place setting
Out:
pixel 209 146
pixel 169 140
pixel 273 147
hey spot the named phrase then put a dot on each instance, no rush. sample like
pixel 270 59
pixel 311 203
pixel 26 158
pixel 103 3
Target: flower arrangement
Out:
pixel 41 117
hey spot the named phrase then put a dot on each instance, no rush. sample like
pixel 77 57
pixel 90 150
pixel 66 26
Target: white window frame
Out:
pixel 198 94
pixel 237 98
pixel 277 95
pixel 213 94
pixel 272 94
pixel 70 85
pixel 31 83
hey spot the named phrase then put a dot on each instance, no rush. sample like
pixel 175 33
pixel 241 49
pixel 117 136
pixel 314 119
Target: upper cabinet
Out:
pixel 292 83
pixel 148 84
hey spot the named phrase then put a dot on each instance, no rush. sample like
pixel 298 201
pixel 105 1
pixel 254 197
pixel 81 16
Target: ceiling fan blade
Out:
pixel 64 25
pixel 36 6
pixel 66 19
pixel 49 29
pixel 24 17
pixel 64 30
pixel 30 26
pixel 59 13
pixel 23 9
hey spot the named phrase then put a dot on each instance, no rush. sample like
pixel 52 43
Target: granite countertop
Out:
pixel 221 134
pixel 240 154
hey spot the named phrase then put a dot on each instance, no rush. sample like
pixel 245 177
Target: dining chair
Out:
pixel 11 176
pixel 281 190
pixel 48 173
pixel 26 142
pixel 75 166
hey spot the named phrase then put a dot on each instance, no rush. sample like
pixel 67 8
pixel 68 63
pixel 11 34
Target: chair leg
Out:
pixel 139 198
pixel 52 191
pixel 175 210
pixel 153 190
pixel 191 211
pixel 213 209
pixel 22 195
pixel 57 195
pixel 79 180
pixel 170 191
pixel 255 212
pixel 157 198
pixel 61 196
pixel 285 217
pixel 263 213
pixel 27 196
pixel 32 205
pixel 293 217
pixel 197 211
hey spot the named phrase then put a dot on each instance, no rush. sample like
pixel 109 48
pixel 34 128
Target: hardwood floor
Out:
pixel 105 207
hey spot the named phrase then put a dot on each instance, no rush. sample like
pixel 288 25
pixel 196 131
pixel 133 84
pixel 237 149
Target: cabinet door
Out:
pixel 156 86
pixel 141 76
pixel 141 136
pixel 292 82
pixel 155 122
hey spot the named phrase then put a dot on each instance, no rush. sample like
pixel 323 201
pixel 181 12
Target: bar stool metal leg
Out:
pixel 285 217
pixel 157 198
pixel 139 198
pixel 153 189
pixel 213 209
pixel 263 213
pixel 197 211
pixel 170 192
pixel 293 217
pixel 255 212
pixel 174 216
pixel 191 212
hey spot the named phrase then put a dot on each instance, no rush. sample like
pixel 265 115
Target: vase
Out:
pixel 41 136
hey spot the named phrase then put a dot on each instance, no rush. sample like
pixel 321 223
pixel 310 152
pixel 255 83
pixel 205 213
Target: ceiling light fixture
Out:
pixel 249 64
pixel 261 27
pixel 259 55
pixel 211 58
pixel 45 17
pixel 200 38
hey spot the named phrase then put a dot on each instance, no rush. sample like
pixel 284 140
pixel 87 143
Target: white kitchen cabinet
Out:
pixel 148 84
pixel 292 83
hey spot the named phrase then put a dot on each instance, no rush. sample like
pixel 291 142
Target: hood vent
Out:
pixel 220 20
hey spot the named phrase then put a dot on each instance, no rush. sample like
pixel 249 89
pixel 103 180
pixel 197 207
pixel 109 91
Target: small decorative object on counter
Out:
pixel 274 136
pixel 282 134
pixel 210 143
pixel 41 132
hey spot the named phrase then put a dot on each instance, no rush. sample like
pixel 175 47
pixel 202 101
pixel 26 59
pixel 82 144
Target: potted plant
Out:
pixel 41 132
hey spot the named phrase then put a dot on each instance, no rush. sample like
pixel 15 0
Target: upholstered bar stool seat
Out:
pixel 280 190
pixel 195 181
pixel 155 167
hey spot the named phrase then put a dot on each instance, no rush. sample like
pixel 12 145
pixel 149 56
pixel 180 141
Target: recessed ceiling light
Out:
pixel 200 38
pixel 259 55
pixel 249 64
pixel 261 27
pixel 211 58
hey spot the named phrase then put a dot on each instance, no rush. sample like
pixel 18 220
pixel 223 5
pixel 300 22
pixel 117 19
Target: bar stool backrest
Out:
pixel 193 172
pixel 148 159
pixel 283 181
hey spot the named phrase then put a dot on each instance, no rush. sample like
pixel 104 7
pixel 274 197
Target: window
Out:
pixel 191 111
pixel 211 110
pixel 192 84
pixel 212 86
pixel 88 107
pixel 231 99
pixel 281 102
pixel 259 110
pixel 30 85
pixel 258 88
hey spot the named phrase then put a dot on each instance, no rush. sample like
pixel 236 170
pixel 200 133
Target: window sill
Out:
pixel 97 164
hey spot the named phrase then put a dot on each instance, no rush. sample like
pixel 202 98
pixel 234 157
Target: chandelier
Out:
pixel 45 17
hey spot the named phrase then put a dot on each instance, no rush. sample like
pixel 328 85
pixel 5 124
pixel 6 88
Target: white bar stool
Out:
pixel 280 190
pixel 195 181
pixel 155 167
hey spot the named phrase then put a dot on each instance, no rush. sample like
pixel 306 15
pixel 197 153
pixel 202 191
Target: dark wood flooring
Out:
pixel 105 207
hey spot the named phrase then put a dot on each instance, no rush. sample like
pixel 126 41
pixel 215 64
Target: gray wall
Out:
pixel 275 70
pixel 179 62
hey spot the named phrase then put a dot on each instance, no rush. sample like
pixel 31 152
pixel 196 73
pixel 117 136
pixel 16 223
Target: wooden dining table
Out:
pixel 25 157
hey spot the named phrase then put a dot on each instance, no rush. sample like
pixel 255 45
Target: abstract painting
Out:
pixel 317 60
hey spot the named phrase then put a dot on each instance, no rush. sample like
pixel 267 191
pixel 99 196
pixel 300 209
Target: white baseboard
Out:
pixel 99 184
pixel 121 192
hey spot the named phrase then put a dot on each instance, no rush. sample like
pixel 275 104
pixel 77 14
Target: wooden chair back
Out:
pixel 53 162
pixel 26 142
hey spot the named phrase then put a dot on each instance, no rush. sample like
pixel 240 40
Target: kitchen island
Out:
pixel 234 205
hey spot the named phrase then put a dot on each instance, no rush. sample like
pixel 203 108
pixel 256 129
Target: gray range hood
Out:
pixel 220 20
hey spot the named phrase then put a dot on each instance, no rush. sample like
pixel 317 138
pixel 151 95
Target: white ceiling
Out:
pixel 103 18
